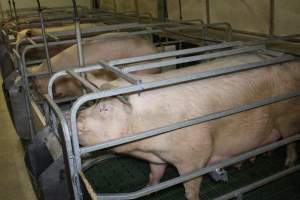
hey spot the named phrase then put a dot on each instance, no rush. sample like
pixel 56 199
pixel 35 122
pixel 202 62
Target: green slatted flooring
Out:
pixel 127 174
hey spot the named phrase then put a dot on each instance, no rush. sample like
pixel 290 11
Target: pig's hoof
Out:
pixel 290 161
pixel 252 160
pixel 238 166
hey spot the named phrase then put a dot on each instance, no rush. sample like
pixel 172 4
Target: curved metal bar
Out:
pixel 67 148
pixel 91 162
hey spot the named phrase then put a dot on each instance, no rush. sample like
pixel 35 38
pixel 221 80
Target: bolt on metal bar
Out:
pixel 192 58
pixel 83 81
pixel 174 53
pixel 128 77
pixel 200 172
pixel 259 183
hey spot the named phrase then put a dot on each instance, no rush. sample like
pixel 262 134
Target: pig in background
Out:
pixel 109 49
pixel 32 32
pixel 194 147
pixel 38 53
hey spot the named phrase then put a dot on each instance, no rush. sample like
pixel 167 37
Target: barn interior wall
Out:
pixel 248 15
pixel 46 3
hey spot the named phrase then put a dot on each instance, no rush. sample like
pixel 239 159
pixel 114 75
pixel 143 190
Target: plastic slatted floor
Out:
pixel 128 174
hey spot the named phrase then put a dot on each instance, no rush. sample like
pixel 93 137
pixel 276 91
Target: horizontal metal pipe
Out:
pixel 174 53
pixel 120 27
pixel 258 184
pixel 192 58
pixel 73 41
pixel 200 172
pixel 167 63
pixel 128 77
pixel 83 81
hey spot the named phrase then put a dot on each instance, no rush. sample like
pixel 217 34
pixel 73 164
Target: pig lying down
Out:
pixel 32 32
pixel 109 49
pixel 194 147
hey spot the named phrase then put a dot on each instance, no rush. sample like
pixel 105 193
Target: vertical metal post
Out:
pixel 95 4
pixel 162 10
pixel 1 10
pixel 272 14
pixel 10 9
pixel 78 34
pixel 75 178
pixel 180 9
pixel 136 7
pixel 115 6
pixel 44 38
pixel 207 6
pixel 15 13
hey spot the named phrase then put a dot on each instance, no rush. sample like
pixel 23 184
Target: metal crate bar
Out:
pixel 200 172
pixel 154 28
pixel 239 192
pixel 207 74
pixel 65 137
pixel 166 63
pixel 193 58
pixel 156 56
pixel 128 77
pixel 176 53
pixel 138 88
pixel 83 81
pixel 73 41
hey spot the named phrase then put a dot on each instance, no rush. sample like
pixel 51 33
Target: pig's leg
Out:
pixel 291 155
pixel 157 165
pixel 189 164
pixel 157 171
pixel 191 187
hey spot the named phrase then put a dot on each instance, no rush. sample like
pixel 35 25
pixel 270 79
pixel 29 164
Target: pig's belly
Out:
pixel 242 132
pixel 243 146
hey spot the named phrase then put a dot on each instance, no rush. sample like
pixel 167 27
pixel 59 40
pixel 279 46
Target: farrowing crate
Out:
pixel 20 54
pixel 68 132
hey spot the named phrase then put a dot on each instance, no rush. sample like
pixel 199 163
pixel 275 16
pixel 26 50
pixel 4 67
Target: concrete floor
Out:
pixel 14 181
